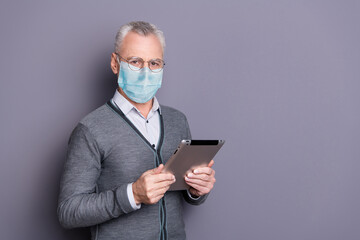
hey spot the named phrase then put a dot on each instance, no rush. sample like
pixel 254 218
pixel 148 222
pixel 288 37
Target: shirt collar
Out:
pixel 125 106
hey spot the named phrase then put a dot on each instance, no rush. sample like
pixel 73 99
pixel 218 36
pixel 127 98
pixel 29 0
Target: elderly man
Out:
pixel 113 179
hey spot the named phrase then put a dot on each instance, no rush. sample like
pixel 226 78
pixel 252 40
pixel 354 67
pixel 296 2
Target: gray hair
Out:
pixel 139 27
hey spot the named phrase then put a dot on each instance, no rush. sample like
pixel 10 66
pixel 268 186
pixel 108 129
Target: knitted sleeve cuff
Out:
pixel 122 199
pixel 194 201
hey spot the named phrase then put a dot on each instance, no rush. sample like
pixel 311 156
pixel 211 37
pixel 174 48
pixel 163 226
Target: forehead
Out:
pixel 136 45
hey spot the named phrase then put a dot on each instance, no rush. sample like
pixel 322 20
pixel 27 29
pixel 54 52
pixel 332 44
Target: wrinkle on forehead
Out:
pixel 147 47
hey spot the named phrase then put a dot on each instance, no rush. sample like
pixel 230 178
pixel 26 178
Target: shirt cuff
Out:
pixel 190 196
pixel 131 197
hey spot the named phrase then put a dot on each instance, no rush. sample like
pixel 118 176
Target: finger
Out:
pixel 154 170
pixel 204 177
pixel 153 199
pixel 158 169
pixel 157 194
pixel 198 182
pixel 200 189
pixel 205 170
pixel 162 191
pixel 194 192
pixel 160 185
pixel 163 177
pixel 157 198
pixel 211 163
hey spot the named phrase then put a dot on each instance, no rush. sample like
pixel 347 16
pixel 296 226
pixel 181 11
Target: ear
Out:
pixel 114 64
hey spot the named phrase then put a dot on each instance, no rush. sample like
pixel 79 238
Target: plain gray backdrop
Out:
pixel 278 80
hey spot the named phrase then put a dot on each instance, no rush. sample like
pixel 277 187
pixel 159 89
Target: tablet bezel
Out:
pixel 189 155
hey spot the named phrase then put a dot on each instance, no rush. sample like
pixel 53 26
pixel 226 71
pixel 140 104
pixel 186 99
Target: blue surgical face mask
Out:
pixel 140 86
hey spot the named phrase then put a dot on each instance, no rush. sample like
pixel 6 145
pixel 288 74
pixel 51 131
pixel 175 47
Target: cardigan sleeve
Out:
pixel 186 194
pixel 80 205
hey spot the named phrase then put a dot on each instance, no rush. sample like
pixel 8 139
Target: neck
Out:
pixel 144 108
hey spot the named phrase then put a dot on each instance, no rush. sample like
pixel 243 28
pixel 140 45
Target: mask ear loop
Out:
pixel 117 58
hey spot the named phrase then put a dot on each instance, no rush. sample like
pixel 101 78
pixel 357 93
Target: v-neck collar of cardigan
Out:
pixel 118 111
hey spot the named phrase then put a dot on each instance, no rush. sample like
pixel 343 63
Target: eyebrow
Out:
pixel 143 59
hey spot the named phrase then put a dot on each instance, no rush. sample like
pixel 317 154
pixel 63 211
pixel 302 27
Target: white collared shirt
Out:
pixel 149 127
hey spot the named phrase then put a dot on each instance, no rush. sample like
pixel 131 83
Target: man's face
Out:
pixel 135 45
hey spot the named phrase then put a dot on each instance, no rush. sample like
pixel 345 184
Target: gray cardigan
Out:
pixel 105 153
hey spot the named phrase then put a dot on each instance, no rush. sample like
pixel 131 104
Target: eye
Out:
pixel 134 62
pixel 154 63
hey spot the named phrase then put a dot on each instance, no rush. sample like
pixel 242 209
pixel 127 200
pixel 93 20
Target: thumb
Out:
pixel 211 163
pixel 158 169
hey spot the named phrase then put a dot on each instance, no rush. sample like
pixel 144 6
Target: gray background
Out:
pixel 278 80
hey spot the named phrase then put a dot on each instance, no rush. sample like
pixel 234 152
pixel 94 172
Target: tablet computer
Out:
pixel 189 155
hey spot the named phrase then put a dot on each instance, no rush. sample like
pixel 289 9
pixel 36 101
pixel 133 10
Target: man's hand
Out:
pixel 152 185
pixel 201 180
